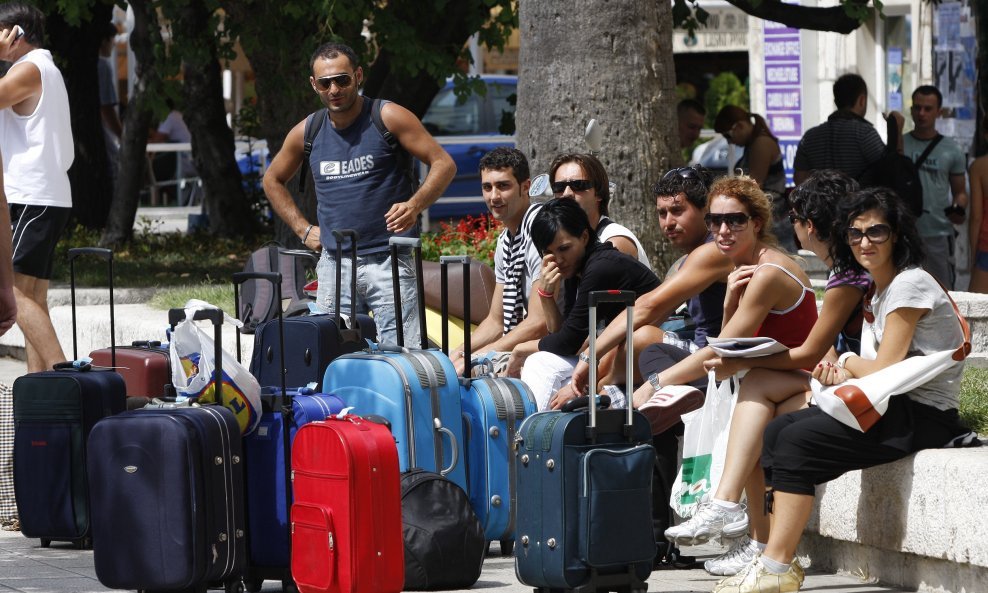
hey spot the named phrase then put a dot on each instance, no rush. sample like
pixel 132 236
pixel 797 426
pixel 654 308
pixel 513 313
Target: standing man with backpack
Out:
pixel 358 149
pixel 941 173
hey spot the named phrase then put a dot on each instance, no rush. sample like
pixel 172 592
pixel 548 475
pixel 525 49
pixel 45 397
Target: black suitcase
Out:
pixel 311 341
pixel 54 412
pixel 168 495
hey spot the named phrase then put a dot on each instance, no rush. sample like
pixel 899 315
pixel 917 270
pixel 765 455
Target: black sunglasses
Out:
pixel 736 221
pixel 341 80
pixel 876 234
pixel 684 172
pixel 559 187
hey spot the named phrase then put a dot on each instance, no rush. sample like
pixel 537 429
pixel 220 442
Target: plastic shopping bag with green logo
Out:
pixel 704 447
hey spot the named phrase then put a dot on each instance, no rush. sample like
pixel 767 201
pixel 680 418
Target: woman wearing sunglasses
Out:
pixel 762 160
pixel 576 262
pixel 778 386
pixel 583 178
pixel 910 315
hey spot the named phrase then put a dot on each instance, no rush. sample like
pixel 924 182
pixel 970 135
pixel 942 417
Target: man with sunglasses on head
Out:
pixel 515 314
pixel 360 184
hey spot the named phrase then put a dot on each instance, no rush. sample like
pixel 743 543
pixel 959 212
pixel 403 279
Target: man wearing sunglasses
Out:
pixel 360 184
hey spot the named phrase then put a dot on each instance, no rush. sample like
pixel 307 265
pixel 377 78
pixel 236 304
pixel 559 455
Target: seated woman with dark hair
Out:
pixel 572 259
pixel 910 315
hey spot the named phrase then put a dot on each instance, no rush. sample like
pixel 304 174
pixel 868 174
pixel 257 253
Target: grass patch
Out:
pixel 974 399
pixel 220 295
pixel 154 259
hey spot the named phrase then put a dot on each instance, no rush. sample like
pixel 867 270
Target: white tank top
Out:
pixel 616 230
pixel 37 148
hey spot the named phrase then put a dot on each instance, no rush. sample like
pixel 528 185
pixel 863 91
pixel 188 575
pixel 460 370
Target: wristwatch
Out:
pixel 584 357
pixel 653 380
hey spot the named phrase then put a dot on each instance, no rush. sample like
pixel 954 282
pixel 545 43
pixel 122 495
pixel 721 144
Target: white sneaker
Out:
pixel 731 562
pixel 710 520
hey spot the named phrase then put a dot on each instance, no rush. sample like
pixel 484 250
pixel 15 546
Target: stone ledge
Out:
pixel 917 523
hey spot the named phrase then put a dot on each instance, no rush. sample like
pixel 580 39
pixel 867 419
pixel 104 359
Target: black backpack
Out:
pixel 444 540
pixel 898 172
pixel 257 302
pixel 314 122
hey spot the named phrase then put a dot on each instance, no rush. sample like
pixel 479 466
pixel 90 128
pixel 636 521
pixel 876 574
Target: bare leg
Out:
pixel 762 390
pixel 43 348
pixel 789 517
pixel 979 281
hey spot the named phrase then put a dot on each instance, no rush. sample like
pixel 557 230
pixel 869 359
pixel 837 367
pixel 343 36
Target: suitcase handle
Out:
pixel 416 246
pixel 105 254
pixel 612 296
pixel 339 236
pixel 453 446
pixel 444 262
pixel 275 279
pixel 215 316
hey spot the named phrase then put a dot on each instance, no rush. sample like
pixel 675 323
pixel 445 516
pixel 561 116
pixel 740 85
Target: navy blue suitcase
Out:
pixel 267 452
pixel 54 412
pixel 167 487
pixel 493 410
pixel 416 391
pixel 585 492
pixel 168 492
pixel 313 341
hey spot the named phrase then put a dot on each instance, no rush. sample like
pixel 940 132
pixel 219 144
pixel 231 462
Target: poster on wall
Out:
pixel 783 89
pixel 954 69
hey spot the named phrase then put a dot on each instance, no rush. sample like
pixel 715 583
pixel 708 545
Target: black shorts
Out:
pixel 36 230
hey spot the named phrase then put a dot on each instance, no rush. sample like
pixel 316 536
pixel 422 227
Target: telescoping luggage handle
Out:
pixel 612 296
pixel 107 255
pixel 416 245
pixel 339 237
pixel 444 262
pixel 214 316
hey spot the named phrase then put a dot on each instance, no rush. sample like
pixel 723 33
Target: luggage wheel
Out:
pixel 507 547
pixel 45 542
pixel 288 586
pixel 234 586
pixel 253 585
pixel 85 543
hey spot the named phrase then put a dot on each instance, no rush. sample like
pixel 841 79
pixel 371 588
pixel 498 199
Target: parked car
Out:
pixel 468 130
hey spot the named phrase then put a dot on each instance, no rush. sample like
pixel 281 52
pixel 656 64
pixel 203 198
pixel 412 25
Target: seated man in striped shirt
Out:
pixel 515 314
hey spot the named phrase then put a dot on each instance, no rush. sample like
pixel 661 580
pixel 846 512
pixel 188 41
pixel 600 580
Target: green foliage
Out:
pixel 724 89
pixel 220 295
pixel 974 399
pixel 155 259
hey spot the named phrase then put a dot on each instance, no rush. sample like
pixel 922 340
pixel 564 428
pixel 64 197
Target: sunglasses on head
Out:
pixel 341 80
pixel 736 221
pixel 793 217
pixel 876 234
pixel 559 187
pixel 684 172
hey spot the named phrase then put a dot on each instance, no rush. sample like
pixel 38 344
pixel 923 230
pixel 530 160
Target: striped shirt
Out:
pixel 516 265
pixel 846 142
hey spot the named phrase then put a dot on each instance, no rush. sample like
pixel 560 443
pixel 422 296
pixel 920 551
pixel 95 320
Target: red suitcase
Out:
pixel 346 518
pixel 145 366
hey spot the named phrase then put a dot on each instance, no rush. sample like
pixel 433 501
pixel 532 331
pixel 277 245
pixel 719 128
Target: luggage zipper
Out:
pixel 436 405
pixel 612 453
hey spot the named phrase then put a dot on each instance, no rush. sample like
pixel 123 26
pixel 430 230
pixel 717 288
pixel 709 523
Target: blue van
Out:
pixel 468 131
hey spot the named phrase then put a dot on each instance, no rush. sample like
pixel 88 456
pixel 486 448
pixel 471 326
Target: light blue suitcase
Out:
pixel 417 391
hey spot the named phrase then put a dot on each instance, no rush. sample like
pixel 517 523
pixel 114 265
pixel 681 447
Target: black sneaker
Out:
pixel 669 558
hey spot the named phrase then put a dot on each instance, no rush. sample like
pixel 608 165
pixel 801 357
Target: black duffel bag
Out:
pixel 444 540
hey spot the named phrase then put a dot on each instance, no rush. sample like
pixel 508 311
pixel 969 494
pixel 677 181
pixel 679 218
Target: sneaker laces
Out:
pixel 738 549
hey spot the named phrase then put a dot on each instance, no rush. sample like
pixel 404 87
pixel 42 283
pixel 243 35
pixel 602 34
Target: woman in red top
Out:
pixel 768 294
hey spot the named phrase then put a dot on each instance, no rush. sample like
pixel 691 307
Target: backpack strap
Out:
pixel 313 124
pixel 926 153
pixel 405 162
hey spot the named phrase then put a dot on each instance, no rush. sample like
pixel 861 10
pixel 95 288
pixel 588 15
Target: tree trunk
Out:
pixel 582 59
pixel 213 148
pixel 137 119
pixel 76 50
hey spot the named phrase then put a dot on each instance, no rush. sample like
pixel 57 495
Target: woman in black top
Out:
pixel 575 260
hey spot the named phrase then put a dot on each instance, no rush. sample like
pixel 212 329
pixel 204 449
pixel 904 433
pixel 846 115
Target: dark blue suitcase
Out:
pixel 167 491
pixel 417 391
pixel 312 341
pixel 268 456
pixel 54 412
pixel 493 409
pixel 584 493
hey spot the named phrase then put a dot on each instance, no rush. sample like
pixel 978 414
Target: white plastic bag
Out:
pixel 192 357
pixel 704 447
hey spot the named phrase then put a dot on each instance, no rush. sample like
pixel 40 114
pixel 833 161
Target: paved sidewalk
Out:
pixel 25 566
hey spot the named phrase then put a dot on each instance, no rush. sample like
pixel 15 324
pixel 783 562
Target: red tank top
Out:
pixel 792 325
